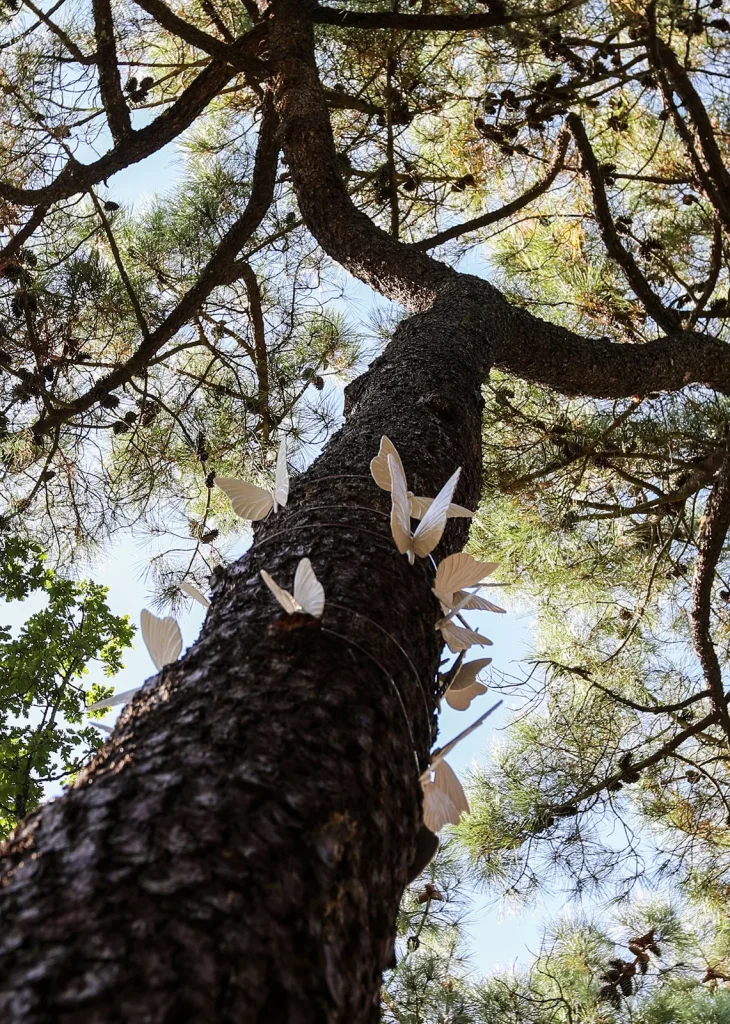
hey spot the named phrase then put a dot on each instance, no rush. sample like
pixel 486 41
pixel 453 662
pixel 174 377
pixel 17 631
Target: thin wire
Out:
pixel 377 625
pixel 354 643
pixel 341 476
pixel 317 526
pixel 360 508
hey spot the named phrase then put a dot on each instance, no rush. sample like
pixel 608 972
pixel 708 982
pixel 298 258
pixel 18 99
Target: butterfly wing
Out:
pixel 400 517
pixel 460 638
pixel 111 702
pixel 438 810
pixel 308 591
pixel 162 638
pixel 468 672
pixel 197 595
pixel 281 485
pixel 431 527
pixel 473 602
pixel 284 598
pixel 459 512
pixel 420 506
pixel 465 687
pixel 461 698
pixel 379 468
pixel 248 501
pixel 445 780
pixel 458 571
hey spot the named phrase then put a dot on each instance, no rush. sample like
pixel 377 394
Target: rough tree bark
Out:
pixel 237 851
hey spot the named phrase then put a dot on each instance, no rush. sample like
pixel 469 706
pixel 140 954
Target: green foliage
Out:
pixel 648 962
pixel 44 734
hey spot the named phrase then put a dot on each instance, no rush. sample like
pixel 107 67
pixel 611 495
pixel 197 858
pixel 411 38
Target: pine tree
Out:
pixel 238 849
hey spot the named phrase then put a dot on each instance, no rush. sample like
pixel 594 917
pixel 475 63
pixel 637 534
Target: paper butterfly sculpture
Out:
pixel 308 593
pixel 453 574
pixel 417 506
pixel 252 502
pixel 429 531
pixel 197 595
pixel 457 572
pixel 163 641
pixel 465 686
pixel 444 799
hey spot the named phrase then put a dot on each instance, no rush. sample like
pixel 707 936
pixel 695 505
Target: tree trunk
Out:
pixel 238 849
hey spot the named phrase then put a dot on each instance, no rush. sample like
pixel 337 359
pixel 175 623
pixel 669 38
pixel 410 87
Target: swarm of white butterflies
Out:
pixel 444 799
pixel 458 579
pixel 252 502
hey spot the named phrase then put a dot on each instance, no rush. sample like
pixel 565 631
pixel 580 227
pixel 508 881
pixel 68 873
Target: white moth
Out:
pixel 429 531
pixel 444 799
pixel 465 686
pixel 457 572
pixel 308 593
pixel 163 641
pixel 418 506
pixel 197 595
pixel 252 502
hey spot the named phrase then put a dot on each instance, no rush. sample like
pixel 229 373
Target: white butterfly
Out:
pixel 163 641
pixel 417 506
pixel 444 799
pixel 460 638
pixel 162 638
pixel 308 593
pixel 464 687
pixel 429 530
pixel 197 595
pixel 252 502
pixel 454 574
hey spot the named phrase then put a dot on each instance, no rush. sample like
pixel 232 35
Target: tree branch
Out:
pixel 699 118
pixel 524 344
pixel 712 173
pixel 115 105
pixel 555 357
pixel 344 232
pixel 261 359
pixel 77 177
pixel 221 269
pixel 668 321
pixel 712 533
pixel 408 22
pixel 236 54
pixel 541 186
pixel 647 762
pixel 422 22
